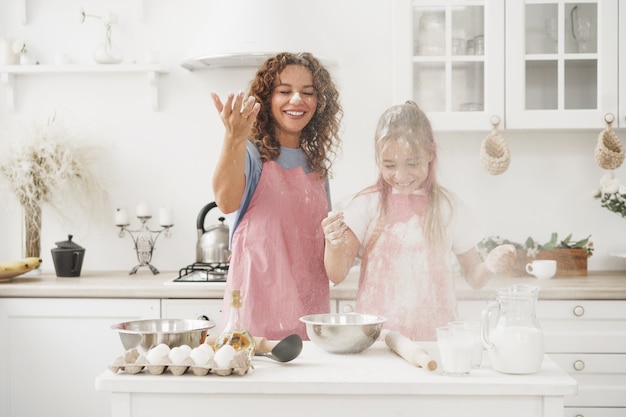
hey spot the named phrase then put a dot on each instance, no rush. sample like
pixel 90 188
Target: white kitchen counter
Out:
pixel 375 382
pixel 119 284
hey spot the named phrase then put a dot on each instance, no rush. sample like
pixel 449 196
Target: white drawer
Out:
pixel 601 379
pixel 594 412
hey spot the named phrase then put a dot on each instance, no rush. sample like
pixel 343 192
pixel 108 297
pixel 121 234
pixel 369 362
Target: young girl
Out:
pixel 404 228
pixel 272 178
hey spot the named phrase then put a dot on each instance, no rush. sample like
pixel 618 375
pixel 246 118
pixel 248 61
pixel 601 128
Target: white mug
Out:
pixel 542 269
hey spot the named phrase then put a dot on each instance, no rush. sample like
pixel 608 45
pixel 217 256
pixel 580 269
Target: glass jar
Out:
pixel 511 332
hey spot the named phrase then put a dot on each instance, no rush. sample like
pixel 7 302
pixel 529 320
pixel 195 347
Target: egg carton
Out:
pixel 132 362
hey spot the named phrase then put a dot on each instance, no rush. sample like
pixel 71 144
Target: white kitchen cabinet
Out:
pixel 621 122
pixel 452 62
pixel 561 63
pixel 542 78
pixel 51 349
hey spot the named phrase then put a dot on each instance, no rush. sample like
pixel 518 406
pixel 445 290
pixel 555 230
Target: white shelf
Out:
pixel 9 72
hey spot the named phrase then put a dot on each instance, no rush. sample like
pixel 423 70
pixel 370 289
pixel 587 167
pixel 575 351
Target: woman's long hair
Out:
pixel 409 123
pixel 320 138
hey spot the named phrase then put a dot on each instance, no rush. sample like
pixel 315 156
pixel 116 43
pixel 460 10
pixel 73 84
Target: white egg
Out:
pixel 186 349
pixel 178 355
pixel 200 355
pixel 224 355
pixel 157 354
pixel 207 348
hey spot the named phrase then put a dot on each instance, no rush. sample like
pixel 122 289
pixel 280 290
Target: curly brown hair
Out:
pixel 320 138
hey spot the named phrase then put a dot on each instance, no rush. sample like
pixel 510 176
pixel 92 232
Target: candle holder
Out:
pixel 144 239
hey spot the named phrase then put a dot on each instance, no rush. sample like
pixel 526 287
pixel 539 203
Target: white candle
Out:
pixel 121 217
pixel 143 210
pixel 166 218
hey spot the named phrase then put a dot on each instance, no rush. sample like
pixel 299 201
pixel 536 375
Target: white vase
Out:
pixel 108 52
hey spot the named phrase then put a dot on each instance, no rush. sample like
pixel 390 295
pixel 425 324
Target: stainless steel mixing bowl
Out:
pixel 343 332
pixel 146 334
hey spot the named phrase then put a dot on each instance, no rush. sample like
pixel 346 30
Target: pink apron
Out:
pixel 278 254
pixel 399 280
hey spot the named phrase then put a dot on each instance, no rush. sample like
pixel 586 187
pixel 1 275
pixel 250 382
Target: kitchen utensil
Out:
pixel 409 350
pixel 146 334
pixel 511 332
pixel 68 258
pixel 286 350
pixel 343 332
pixel 212 245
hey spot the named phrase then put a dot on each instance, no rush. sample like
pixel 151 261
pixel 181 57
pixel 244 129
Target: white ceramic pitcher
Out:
pixel 511 332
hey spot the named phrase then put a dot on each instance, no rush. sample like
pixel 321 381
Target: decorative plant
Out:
pixel 612 194
pixel 532 246
pixel 49 167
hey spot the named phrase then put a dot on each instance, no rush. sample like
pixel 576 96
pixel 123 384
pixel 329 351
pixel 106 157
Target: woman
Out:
pixel 272 180
pixel 404 228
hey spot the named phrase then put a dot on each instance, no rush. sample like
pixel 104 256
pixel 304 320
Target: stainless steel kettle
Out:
pixel 212 246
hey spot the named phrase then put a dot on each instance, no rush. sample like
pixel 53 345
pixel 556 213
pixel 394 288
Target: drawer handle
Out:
pixel 348 309
pixel 579 365
pixel 579 311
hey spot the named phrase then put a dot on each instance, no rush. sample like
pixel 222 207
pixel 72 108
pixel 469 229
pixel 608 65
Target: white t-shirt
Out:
pixel 361 213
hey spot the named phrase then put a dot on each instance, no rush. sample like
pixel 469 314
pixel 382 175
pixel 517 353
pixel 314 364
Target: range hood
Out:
pixel 244 33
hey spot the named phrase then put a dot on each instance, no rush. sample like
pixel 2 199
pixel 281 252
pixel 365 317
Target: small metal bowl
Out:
pixel 146 334
pixel 343 332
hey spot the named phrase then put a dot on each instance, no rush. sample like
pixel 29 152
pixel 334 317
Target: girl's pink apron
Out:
pixel 399 280
pixel 278 254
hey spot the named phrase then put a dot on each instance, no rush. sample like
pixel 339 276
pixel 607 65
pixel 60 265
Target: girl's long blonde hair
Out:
pixel 408 122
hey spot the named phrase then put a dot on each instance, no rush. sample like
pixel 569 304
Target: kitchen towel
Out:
pixel 609 152
pixel 494 152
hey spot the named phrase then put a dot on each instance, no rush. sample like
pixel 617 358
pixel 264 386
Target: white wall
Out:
pixel 167 157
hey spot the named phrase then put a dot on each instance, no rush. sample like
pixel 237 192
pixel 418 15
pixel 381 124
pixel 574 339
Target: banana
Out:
pixel 13 265
pixel 21 264
pixel 32 262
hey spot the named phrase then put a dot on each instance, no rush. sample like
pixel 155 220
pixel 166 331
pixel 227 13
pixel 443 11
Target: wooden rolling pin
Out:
pixel 409 350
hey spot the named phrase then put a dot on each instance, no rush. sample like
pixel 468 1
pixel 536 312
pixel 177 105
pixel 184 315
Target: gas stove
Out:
pixel 203 272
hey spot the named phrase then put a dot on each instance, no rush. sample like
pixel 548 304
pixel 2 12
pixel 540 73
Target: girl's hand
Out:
pixel 237 115
pixel 501 259
pixel 334 228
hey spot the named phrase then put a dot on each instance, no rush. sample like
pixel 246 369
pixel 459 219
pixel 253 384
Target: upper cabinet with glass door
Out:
pixel 561 63
pixel 451 61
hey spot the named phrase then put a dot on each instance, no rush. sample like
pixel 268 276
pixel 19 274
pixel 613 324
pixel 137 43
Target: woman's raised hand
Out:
pixel 237 114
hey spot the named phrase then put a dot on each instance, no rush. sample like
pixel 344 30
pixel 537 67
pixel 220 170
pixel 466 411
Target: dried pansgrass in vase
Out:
pixel 50 166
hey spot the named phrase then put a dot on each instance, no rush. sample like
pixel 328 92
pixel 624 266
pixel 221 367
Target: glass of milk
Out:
pixel 456 349
pixel 474 327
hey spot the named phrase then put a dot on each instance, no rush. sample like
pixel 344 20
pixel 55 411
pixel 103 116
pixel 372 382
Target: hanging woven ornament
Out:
pixel 494 152
pixel 609 150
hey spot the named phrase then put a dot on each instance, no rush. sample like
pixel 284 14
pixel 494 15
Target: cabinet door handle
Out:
pixel 579 311
pixel 579 365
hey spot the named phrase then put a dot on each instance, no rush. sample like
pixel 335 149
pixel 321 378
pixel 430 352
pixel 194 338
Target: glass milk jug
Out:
pixel 511 332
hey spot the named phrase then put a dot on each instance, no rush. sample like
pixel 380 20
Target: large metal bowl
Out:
pixel 146 334
pixel 343 332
